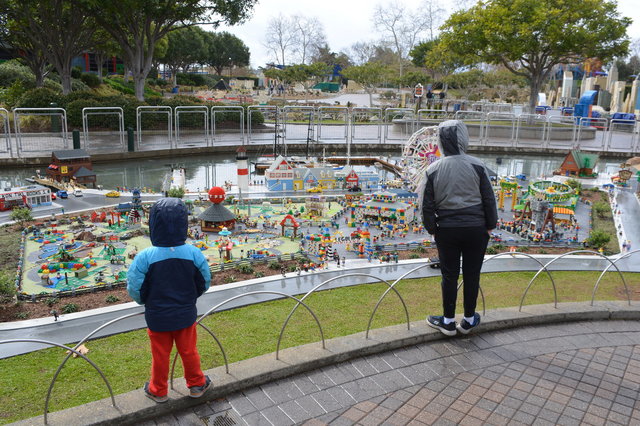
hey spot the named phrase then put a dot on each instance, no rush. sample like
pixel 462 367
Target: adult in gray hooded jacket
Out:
pixel 459 209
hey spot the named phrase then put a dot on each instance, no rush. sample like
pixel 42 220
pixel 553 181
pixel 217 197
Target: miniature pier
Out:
pixel 366 161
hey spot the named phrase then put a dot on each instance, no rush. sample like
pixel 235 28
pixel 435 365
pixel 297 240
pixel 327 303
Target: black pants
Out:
pixel 471 243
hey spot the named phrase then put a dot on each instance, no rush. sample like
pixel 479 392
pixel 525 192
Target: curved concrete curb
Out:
pixel 134 407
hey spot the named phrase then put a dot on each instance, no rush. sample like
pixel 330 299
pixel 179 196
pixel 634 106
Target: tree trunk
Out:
pixel 535 86
pixel 39 78
pixel 65 75
pixel 126 73
pixel 99 61
pixel 370 92
pixel 138 81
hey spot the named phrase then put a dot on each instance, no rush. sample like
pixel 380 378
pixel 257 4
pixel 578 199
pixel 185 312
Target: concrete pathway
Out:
pixel 570 374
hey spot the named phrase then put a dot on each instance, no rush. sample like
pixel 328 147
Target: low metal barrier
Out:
pixel 399 124
pixel 105 137
pixel 5 130
pixel 366 125
pixel 156 138
pixel 263 124
pixel 599 127
pixel 45 133
pixel 561 132
pixel 227 125
pixel 366 278
pixel 531 130
pixel 333 124
pixel 623 135
pixel 499 129
pixel 191 126
pixel 299 123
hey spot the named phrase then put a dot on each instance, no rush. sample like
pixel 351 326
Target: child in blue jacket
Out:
pixel 167 279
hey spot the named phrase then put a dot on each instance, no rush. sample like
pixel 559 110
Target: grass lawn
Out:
pixel 253 330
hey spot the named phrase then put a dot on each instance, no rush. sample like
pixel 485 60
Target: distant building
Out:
pixel 72 165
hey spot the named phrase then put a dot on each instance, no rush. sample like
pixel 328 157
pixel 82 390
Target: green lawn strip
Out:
pixel 607 225
pixel 251 331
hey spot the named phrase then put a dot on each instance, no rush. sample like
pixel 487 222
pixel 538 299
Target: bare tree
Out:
pixel 400 26
pixel 434 15
pixel 310 36
pixel 280 38
pixel 362 52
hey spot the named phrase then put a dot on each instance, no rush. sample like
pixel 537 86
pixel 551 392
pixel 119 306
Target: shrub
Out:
pixel 21 215
pixel 76 72
pixel 575 184
pixel 175 192
pixel 12 71
pixel 491 250
pixel 414 256
pixel 258 274
pixel 244 268
pixel 598 239
pixel 50 301
pixel 22 315
pixel 78 85
pixel 7 286
pixel 292 268
pixel 39 98
pixel 111 299
pixel 90 79
pixel 230 279
pixel 542 251
pixel 601 208
pixel 275 265
pixel 70 308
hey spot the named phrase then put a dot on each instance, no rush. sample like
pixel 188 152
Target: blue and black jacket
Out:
pixel 168 277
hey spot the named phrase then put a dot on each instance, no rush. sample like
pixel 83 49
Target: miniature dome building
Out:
pixel 217 216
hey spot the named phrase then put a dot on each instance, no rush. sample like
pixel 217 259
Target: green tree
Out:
pixel 225 50
pixel 307 75
pixel 33 56
pixel 137 25
pixel 601 208
pixel 531 37
pixel 56 27
pixel 7 287
pixel 411 78
pixel 598 239
pixel 185 46
pixel 470 82
pixel 21 215
pixel 369 76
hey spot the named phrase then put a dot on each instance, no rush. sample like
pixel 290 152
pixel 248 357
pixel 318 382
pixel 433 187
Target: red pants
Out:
pixel 161 346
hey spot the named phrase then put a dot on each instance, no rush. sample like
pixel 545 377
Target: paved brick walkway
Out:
pixel 570 374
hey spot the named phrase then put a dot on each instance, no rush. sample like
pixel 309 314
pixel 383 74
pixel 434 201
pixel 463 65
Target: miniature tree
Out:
pixel 21 215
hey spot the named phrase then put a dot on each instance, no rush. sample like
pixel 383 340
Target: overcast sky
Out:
pixel 347 21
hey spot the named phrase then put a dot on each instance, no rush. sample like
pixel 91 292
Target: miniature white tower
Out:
pixel 243 169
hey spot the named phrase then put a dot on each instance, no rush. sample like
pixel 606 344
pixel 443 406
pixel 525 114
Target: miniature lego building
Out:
pixel 578 164
pixel 71 164
pixel 384 206
pixel 25 196
pixel 217 216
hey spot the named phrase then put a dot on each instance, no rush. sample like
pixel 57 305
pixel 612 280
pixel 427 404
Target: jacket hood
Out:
pixel 168 222
pixel 454 137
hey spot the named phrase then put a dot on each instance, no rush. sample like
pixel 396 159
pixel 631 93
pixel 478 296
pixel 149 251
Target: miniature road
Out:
pixel 72 327
pixel 569 374
pixel 630 217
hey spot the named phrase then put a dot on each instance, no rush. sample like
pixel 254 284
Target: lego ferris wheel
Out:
pixel 420 150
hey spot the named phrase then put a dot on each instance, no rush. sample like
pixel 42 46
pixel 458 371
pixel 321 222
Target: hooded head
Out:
pixel 454 137
pixel 168 222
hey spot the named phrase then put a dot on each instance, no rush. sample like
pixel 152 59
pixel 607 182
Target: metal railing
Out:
pixel 5 129
pixel 105 140
pixel 40 130
pixel 364 279
pixel 223 117
pixel 263 124
pixel 37 139
pixel 193 130
pixel 155 138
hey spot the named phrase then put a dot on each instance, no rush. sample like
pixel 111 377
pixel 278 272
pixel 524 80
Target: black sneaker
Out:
pixel 156 398
pixel 198 391
pixel 437 321
pixel 465 328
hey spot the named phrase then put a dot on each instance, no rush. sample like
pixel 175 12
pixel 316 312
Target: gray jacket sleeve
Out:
pixel 488 200
pixel 429 205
